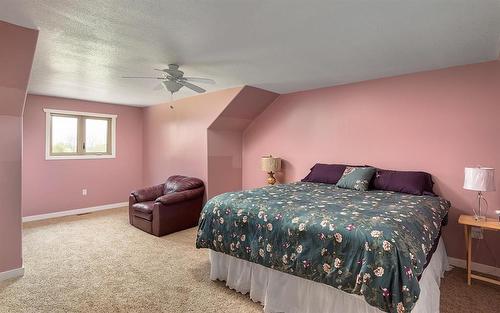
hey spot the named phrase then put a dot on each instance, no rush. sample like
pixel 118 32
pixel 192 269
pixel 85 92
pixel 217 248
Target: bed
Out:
pixel 365 251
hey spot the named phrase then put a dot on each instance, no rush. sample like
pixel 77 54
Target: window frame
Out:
pixel 80 154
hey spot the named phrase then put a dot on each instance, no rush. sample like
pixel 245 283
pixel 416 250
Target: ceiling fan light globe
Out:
pixel 171 85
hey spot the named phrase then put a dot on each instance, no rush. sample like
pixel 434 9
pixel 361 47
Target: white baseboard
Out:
pixel 17 272
pixel 74 212
pixel 477 267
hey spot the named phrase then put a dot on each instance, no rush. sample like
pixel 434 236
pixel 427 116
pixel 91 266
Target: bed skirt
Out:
pixel 281 292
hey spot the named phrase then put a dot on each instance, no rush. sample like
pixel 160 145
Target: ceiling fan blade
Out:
pixel 191 86
pixel 145 77
pixel 173 72
pixel 200 80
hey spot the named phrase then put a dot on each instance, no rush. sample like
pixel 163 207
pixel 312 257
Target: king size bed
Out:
pixel 314 247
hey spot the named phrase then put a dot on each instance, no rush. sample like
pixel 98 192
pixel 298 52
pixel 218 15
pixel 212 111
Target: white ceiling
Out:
pixel 85 47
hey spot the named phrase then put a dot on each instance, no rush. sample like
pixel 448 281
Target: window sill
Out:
pixel 79 157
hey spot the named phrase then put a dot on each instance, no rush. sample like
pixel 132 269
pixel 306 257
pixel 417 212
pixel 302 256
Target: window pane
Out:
pixel 96 135
pixel 64 134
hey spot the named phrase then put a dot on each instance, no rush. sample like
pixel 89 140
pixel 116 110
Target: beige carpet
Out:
pixel 99 263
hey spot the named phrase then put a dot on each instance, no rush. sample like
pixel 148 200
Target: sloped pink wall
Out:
pixel 17 48
pixel 439 122
pixel 175 140
pixel 225 137
pixel 201 136
pixel 56 185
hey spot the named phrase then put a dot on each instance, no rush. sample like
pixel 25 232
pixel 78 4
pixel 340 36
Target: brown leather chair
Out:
pixel 169 207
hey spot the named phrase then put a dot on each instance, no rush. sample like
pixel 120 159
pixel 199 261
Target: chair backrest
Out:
pixel 179 183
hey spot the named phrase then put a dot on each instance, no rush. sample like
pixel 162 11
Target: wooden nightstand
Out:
pixel 469 221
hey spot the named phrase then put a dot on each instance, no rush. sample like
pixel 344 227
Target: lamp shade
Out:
pixel 270 164
pixel 479 179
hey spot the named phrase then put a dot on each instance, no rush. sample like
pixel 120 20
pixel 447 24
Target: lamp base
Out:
pixel 480 217
pixel 271 180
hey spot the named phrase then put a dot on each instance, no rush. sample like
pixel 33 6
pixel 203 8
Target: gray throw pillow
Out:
pixel 357 178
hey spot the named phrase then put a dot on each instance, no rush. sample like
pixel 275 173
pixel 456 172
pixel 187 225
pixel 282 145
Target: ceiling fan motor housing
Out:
pixel 173 70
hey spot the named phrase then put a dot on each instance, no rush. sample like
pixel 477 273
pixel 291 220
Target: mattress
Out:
pixel 375 244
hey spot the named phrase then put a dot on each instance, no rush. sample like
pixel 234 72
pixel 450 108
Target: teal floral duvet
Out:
pixel 369 243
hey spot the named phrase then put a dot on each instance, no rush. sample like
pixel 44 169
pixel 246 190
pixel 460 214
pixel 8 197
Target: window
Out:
pixel 79 135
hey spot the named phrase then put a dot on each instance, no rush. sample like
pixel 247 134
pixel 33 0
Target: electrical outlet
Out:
pixel 84 192
pixel 476 233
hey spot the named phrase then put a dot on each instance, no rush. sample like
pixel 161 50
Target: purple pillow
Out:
pixel 325 173
pixel 415 183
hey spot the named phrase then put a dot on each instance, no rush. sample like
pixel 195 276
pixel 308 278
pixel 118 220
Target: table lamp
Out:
pixel 479 179
pixel 270 165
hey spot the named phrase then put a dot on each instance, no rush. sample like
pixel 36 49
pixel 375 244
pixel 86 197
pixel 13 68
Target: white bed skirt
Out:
pixel 281 292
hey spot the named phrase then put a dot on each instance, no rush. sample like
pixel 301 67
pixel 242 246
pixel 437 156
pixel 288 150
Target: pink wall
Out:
pixel 56 185
pixel 17 48
pixel 10 192
pixel 175 140
pixel 439 121
pixel 201 136
pixel 225 138
pixel 224 161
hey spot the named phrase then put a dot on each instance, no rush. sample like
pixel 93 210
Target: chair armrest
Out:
pixel 131 200
pixel 148 193
pixel 185 195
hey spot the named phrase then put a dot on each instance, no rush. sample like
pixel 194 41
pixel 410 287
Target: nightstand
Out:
pixel 469 221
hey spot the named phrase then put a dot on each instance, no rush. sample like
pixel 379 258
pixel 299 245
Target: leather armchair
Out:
pixel 166 208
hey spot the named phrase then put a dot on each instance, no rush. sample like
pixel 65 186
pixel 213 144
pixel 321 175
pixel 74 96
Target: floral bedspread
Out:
pixel 370 243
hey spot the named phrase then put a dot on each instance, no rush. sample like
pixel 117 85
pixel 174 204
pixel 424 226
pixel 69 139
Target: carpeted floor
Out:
pixel 99 263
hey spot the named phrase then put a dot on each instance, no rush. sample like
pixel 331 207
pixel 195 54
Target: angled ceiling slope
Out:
pixel 16 59
pixel 225 135
pixel 283 45
pixel 243 109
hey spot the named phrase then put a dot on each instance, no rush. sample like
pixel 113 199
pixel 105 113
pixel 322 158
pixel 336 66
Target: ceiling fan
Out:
pixel 173 79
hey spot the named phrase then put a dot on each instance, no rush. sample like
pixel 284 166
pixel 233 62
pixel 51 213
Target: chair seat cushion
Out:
pixel 143 216
pixel 144 207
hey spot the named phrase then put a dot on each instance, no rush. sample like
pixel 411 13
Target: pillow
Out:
pixel 415 183
pixel 429 184
pixel 357 178
pixel 325 173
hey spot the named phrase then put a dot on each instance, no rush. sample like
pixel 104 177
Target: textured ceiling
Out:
pixel 84 47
